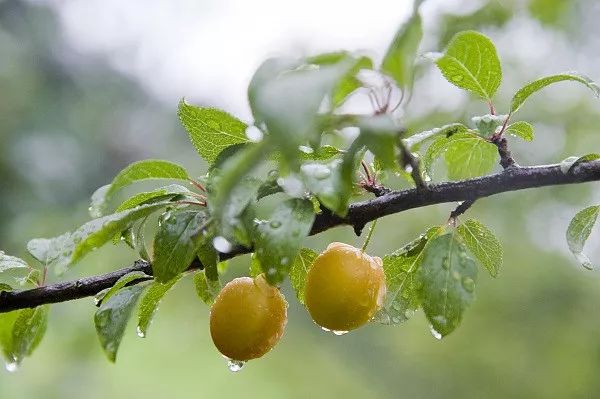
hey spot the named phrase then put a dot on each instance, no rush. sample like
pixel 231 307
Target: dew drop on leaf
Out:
pixel 468 284
pixel 275 224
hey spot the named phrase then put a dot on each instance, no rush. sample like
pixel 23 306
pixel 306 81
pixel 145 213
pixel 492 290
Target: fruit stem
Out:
pixel 371 230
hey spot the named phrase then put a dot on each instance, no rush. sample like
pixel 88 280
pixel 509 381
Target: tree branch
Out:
pixel 511 179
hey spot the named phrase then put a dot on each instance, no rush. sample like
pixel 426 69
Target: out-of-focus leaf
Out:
pixel 579 231
pixel 399 59
pixel 65 250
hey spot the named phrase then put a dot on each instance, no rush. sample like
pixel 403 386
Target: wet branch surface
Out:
pixel 360 213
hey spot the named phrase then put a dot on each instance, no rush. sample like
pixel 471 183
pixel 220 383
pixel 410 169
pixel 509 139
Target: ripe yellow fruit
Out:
pixel 248 318
pixel 344 287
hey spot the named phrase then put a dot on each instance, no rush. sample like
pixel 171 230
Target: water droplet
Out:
pixel 275 224
pixel 222 245
pixel 408 168
pixel 272 271
pixel 468 284
pixel 395 319
pixel 292 185
pixel 408 313
pixel 436 334
pixel 140 333
pixel 11 367
pixel 456 275
pixel 273 174
pixel 446 263
pixel 396 306
pixel 235 365
pixel 306 149
pixel 254 134
pixel 339 332
pixel 457 78
pixel 284 261
pixel 316 170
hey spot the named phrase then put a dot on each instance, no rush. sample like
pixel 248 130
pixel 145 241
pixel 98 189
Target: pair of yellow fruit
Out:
pixel 344 288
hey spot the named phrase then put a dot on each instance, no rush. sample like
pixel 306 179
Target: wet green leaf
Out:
pixel 206 289
pixel 447 277
pixel 482 243
pixel 579 231
pixel 299 270
pixel 521 129
pixel 150 302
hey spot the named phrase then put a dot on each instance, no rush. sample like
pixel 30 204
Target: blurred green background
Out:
pixel 85 89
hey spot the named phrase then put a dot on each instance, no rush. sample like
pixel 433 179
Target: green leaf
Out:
pixel 288 101
pixel 299 270
pixel 488 124
pixel 231 211
pixel 15 269
pixel 466 155
pixel 7 322
pixel 349 83
pixel 112 317
pixel 400 267
pixel 178 238
pixel 532 87
pixel 149 304
pixel 471 63
pixel 65 250
pixel 161 194
pixel 323 153
pixel 135 172
pixel 413 142
pixel 567 164
pixel 380 135
pixel 122 282
pixel 447 276
pixel 279 239
pixel 28 331
pixel 21 332
pixel 579 231
pixel 482 243
pixel 399 59
pixel 521 129
pixel 211 130
pixel 255 266
pixel 206 289
pixel 326 181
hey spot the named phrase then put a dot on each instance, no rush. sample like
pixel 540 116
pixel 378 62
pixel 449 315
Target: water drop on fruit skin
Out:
pixel 235 365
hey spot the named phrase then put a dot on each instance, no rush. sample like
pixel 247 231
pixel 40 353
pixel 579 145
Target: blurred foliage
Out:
pixel 530 333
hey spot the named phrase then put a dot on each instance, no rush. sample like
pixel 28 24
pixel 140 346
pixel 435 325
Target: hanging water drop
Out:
pixel 140 332
pixel 235 365
pixel 436 334
pixel 11 367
